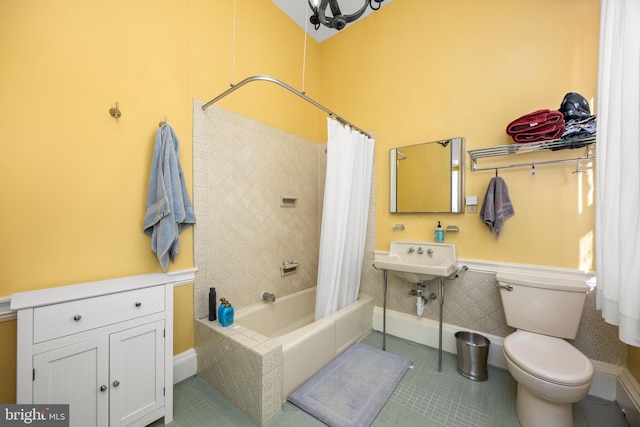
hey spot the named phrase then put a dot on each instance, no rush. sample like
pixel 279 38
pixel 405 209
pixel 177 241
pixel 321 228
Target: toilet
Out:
pixel 551 373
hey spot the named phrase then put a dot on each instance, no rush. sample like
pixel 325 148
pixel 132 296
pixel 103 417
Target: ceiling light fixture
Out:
pixel 338 20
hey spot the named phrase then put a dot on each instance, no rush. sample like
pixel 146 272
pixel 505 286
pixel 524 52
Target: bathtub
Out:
pixel 274 347
pixel 307 346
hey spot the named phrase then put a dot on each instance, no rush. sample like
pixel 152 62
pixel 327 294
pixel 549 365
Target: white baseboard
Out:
pixel 425 331
pixel 606 383
pixel 628 396
pixel 605 380
pixel 185 365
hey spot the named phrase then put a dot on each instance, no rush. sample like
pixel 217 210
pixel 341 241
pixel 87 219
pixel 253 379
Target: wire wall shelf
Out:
pixel 531 147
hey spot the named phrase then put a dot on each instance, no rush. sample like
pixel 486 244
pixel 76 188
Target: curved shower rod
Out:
pixel 302 95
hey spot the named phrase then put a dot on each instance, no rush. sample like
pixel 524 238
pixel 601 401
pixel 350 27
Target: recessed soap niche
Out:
pixel 288 202
pixel 288 267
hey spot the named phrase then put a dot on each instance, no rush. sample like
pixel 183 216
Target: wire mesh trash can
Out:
pixel 473 350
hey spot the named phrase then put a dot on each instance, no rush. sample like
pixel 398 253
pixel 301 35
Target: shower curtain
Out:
pixel 618 168
pixel 344 218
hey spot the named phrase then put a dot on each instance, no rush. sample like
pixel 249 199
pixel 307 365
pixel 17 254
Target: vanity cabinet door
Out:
pixel 99 347
pixel 76 375
pixel 136 373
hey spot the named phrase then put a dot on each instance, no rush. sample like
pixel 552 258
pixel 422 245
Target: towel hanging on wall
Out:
pixel 496 206
pixel 169 211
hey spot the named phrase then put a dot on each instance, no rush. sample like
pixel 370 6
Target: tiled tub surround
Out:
pixel 241 169
pixel 244 366
pixel 261 359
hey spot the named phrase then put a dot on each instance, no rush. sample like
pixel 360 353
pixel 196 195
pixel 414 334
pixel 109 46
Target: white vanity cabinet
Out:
pixel 105 348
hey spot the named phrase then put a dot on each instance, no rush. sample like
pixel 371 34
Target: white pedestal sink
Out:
pixel 417 262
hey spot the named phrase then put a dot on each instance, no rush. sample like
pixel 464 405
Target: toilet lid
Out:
pixel 549 358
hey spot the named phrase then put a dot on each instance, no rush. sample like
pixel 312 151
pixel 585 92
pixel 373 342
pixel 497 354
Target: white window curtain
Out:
pixel 618 168
pixel 344 218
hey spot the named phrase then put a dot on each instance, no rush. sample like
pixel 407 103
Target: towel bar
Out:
pixel 517 148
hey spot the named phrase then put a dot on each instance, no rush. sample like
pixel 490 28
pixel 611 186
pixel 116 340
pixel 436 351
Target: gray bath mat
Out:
pixel 351 390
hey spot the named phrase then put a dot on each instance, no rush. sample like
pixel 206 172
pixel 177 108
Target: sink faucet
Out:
pixel 411 250
pixel 420 250
pixel 430 252
pixel 267 296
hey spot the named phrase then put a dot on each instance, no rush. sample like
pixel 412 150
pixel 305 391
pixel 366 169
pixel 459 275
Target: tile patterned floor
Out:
pixel 424 398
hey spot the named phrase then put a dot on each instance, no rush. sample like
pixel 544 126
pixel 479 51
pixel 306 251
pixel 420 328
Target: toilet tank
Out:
pixel 543 305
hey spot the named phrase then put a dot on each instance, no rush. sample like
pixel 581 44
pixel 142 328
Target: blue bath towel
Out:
pixel 169 211
pixel 496 207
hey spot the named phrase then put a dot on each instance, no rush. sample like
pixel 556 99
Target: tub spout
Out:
pixel 269 297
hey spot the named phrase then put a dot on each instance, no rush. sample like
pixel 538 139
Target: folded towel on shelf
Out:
pixel 539 125
pixel 530 121
pixel 580 127
pixel 540 134
pixel 496 206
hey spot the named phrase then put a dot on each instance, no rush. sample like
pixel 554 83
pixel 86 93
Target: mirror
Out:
pixel 427 177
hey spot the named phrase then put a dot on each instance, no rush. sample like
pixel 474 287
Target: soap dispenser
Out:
pixel 225 313
pixel 439 235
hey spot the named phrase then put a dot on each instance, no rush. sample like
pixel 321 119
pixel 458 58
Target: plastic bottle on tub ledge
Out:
pixel 212 304
pixel 439 234
pixel 225 313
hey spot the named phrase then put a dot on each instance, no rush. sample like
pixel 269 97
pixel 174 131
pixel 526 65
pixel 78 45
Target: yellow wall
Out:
pixel 74 179
pixel 267 42
pixel 420 71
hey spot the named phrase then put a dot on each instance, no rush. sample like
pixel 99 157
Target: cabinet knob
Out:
pixel 77 317
pixel 138 304
pixel 103 388
pixel 116 383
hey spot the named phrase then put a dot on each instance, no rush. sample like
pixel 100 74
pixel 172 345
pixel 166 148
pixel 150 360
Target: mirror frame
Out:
pixel 456 176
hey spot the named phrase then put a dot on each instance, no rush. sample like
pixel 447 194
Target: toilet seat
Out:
pixel 548 358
